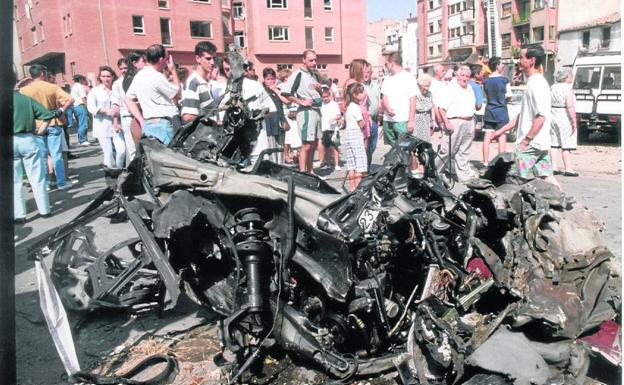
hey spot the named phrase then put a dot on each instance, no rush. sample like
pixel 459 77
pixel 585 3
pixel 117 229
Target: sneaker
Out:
pixel 85 143
pixel 316 164
pixel 51 186
pixel 65 186
pixel 325 167
pixel 415 174
pixel 71 156
pixel 337 168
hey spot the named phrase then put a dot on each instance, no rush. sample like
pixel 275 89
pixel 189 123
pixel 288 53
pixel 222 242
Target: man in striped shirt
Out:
pixel 197 89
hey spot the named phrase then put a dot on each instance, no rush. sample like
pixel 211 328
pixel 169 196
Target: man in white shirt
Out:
pixel 399 90
pixel 533 121
pixel 80 108
pixel 155 95
pixel 438 89
pixel 457 114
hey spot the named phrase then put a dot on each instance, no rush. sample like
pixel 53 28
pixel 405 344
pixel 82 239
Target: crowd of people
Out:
pixel 305 114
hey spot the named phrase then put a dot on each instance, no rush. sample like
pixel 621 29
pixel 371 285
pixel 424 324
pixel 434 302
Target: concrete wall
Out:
pixel 575 12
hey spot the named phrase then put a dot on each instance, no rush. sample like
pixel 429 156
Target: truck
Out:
pixel 598 93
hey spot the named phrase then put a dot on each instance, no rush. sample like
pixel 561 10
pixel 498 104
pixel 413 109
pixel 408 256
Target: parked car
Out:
pixel 597 88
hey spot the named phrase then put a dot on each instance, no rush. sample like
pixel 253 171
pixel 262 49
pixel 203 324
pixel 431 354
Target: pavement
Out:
pixel 37 362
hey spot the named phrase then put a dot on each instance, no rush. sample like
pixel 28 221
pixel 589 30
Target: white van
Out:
pixel 598 91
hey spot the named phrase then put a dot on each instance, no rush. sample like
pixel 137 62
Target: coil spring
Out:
pixel 248 227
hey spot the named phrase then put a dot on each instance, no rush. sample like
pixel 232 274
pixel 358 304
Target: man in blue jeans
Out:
pixel 51 97
pixel 159 114
pixel 26 156
pixel 80 108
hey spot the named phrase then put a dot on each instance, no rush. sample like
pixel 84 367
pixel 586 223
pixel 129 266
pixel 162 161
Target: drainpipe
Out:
pixel 102 31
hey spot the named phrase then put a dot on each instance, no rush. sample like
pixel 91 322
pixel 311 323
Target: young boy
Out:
pixel 331 120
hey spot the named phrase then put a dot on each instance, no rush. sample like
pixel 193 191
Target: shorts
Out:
pixel 392 131
pixel 533 163
pixel 491 126
pixel 309 122
pixel 327 139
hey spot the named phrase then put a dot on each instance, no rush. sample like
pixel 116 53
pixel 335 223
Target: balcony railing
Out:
pixel 521 18
pixel 462 41
pixel 468 15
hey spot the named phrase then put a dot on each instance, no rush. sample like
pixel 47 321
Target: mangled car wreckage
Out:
pixel 506 283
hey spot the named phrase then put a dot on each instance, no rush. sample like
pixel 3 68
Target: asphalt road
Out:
pixel 37 361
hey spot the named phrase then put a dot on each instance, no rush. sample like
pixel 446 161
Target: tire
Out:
pixel 583 133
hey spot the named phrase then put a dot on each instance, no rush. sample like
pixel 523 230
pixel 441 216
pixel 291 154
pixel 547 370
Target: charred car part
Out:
pixel 399 275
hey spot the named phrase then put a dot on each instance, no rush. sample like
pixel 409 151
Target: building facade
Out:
pixel 376 41
pixel 450 31
pixel 72 37
pixel 597 28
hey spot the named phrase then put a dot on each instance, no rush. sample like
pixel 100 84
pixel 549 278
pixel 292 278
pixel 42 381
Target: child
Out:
pixel 355 151
pixel 331 119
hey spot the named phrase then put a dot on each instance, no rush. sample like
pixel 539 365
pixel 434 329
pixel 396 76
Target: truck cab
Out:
pixel 598 93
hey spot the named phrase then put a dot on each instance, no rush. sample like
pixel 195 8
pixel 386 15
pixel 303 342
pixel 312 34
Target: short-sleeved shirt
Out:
pixel 374 96
pixel 438 91
pixel 48 95
pixel 78 93
pixel 353 114
pixel 329 111
pixel 154 93
pixel 535 102
pixel 197 94
pixel 25 111
pixel 398 89
pixel 459 102
pixel 497 89
pixel 118 97
pixel 478 91
pixel 301 85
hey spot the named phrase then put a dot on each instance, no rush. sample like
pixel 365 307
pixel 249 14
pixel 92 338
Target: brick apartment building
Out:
pixel 78 36
pixel 452 30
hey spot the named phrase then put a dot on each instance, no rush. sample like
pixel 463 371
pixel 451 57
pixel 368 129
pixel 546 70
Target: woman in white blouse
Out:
pixel 99 104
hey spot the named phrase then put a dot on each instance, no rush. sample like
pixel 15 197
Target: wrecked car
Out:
pixel 506 283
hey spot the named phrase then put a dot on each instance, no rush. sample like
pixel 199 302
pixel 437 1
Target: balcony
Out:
pixel 521 18
pixel 461 42
pixel 468 15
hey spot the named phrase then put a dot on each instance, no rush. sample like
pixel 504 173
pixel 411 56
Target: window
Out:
pixel 431 4
pixel 33 32
pixel 137 24
pixel 237 11
pixel 307 9
pixel 439 25
pixel 538 34
pixel 41 30
pixel 612 78
pixel 72 65
pixel 430 27
pixel 199 28
pixel 606 37
pixel 284 67
pixel 506 12
pixel 163 4
pixel 225 19
pixel 439 49
pixel 309 38
pixel 329 34
pixel 538 4
pixel 551 32
pixel 347 66
pixel 277 33
pixel 165 31
pixel 327 5
pixel 430 50
pixel 239 38
pixel 585 39
pixel 276 4
pixel 322 67
pixel 587 77
pixel 506 39
pixel 201 1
